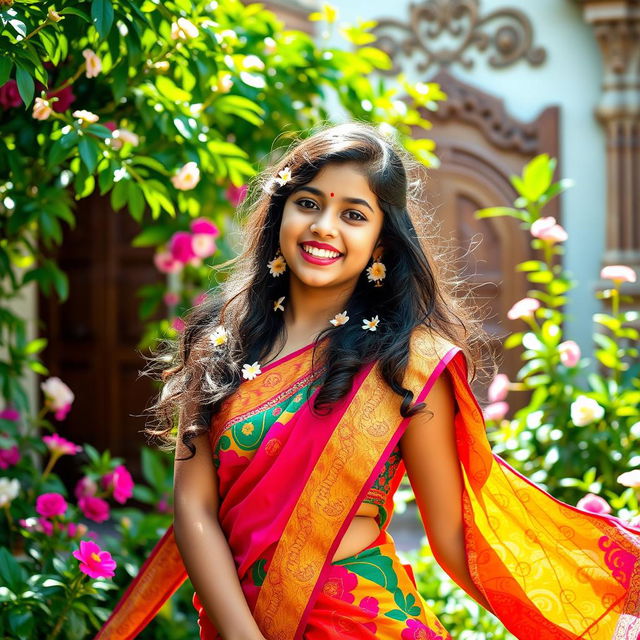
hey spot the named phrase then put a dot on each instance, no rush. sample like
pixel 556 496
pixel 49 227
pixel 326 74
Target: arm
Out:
pixel 431 459
pixel 203 547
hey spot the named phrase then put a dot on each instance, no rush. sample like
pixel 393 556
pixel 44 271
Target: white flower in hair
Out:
pixel 277 304
pixel 285 176
pixel 218 336
pixel 277 266
pixel 340 318
pixel 370 325
pixel 250 371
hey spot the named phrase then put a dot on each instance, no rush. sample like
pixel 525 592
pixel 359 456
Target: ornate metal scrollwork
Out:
pixel 442 31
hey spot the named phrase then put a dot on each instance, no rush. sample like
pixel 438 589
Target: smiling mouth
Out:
pixel 322 254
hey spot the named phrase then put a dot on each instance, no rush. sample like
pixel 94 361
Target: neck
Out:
pixel 309 309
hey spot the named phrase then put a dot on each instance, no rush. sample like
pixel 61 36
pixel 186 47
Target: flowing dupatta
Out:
pixel 550 571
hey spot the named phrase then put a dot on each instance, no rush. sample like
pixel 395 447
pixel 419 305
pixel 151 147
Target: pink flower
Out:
pixel 85 487
pixel 93 62
pixel 499 388
pixel 204 225
pixel 45 526
pixel 60 446
pixel 181 247
pixel 178 324
pixel 618 273
pixel 58 396
pixel 235 195
pixel 187 177
pixel 95 509
pixel 121 482
pixel 9 95
pixel 495 411
pixel 523 308
pixel 9 457
pixel 51 505
pixel 569 353
pixel 340 584
pixel 594 504
pixel 163 505
pixel 203 245
pixel 199 299
pixel 417 630
pixel 171 298
pixel 630 478
pixel 95 562
pixel 166 263
pixel 10 414
pixel 546 229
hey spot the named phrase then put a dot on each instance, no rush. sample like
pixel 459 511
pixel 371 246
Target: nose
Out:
pixel 324 224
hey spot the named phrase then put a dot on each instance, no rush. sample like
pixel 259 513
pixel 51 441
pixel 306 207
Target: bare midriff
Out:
pixel 362 531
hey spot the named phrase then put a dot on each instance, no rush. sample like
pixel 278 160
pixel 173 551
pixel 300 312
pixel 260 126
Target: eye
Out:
pixel 300 202
pixel 357 213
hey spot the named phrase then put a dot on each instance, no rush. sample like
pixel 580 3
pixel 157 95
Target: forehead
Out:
pixel 343 178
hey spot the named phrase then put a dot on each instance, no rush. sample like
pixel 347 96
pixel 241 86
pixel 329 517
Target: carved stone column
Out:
pixel 616 25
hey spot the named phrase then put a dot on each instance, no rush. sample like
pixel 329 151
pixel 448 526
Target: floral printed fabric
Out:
pixel 371 595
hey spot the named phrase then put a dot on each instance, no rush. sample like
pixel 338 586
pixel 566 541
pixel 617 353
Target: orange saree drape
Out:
pixel 549 570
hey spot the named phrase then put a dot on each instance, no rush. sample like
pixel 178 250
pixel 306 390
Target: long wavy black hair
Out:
pixel 422 287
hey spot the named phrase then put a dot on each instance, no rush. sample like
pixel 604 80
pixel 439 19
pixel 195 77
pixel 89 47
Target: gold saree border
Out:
pixel 354 448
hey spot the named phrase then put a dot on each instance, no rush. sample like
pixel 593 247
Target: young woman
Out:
pixel 333 359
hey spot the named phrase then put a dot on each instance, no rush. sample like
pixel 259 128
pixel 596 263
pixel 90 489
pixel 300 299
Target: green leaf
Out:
pixel 75 12
pixel 89 152
pixel 136 201
pixel 119 195
pixel 152 469
pixel 38 367
pixel 531 265
pixel 168 89
pixel 540 276
pixel 98 130
pixel 497 212
pixel 514 340
pixel 536 177
pixel 152 236
pixel 606 320
pixel 12 575
pixel 6 64
pixel 102 15
pixel 26 86
pixel 61 149
pixel 35 346
pixel 607 359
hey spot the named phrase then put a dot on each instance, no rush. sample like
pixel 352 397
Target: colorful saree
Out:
pixel 550 571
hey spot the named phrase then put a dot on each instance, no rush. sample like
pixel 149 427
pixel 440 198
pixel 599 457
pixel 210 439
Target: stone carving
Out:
pixel 441 32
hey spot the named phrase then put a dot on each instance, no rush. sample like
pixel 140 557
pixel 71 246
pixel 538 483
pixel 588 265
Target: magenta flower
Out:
pixel 178 324
pixel 523 308
pixel 495 411
pixel 121 482
pixel 165 262
pixel 340 584
pixel 9 95
pixel 618 273
pixel 499 388
pixel 9 457
pixel 51 505
pixel 58 445
pixel 10 414
pixel 417 630
pixel 45 526
pixel 95 562
pixel 235 195
pixel 85 487
pixel 94 508
pixel 594 504
pixel 65 99
pixel 199 299
pixel 181 247
pixel 569 353
pixel 163 505
pixel 204 226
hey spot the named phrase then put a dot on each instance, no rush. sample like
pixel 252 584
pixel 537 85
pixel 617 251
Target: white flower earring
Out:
pixel 278 265
pixel 377 272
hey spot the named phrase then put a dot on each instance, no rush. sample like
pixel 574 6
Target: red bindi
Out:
pixel 331 194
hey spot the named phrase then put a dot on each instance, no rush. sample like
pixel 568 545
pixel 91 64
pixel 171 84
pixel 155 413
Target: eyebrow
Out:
pixel 318 192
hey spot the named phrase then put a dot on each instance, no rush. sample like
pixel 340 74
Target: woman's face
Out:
pixel 339 210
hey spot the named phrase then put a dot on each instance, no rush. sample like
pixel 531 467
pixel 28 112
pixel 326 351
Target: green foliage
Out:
pixel 547 440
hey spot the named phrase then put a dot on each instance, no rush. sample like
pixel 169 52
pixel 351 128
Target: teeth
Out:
pixel 320 253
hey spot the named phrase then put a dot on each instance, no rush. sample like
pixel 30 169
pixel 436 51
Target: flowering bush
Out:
pixel 578 433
